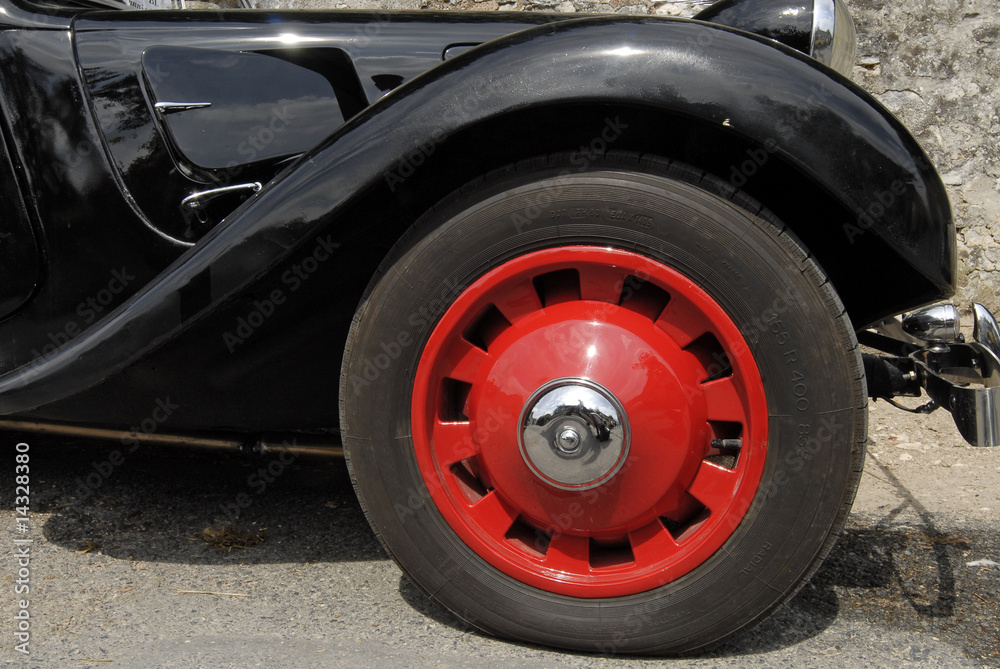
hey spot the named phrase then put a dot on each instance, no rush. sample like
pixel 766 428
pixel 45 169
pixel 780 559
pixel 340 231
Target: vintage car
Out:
pixel 579 298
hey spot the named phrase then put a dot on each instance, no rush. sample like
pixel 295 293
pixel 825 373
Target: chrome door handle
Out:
pixel 174 107
pixel 199 200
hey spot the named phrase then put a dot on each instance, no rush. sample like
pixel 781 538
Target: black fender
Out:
pixel 858 156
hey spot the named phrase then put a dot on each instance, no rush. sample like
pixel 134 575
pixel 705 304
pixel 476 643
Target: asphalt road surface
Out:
pixel 148 568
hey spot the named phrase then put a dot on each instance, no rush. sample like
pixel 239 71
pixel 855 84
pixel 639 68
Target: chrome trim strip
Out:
pixel 174 107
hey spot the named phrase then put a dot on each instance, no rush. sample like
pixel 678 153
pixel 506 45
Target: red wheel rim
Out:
pixel 645 504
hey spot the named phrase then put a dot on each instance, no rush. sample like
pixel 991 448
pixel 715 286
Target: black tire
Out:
pixel 798 334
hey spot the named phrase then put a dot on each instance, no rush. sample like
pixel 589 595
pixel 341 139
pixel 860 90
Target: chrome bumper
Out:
pixel 962 377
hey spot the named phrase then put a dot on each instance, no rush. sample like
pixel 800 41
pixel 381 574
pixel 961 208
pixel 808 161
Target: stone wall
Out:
pixel 933 63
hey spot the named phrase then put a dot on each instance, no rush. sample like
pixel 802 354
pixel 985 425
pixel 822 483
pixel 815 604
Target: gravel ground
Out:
pixel 127 574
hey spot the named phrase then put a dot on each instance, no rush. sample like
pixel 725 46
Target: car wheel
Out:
pixel 608 405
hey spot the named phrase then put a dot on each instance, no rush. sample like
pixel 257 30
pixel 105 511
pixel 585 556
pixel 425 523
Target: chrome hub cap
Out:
pixel 574 434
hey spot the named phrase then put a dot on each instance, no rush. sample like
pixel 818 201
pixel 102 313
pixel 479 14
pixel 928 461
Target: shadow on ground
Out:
pixel 157 504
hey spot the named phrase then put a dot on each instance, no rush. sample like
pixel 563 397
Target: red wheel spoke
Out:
pixel 722 400
pixel 463 361
pixel 682 320
pixel 652 543
pixel 493 514
pixel 568 553
pixel 602 283
pixel 714 486
pixel 518 300
pixel 453 442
